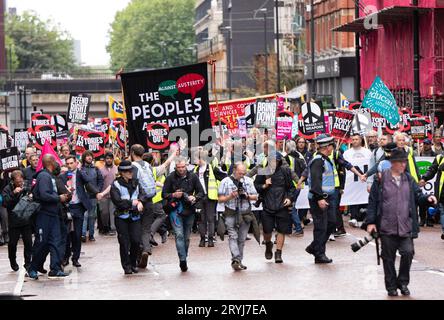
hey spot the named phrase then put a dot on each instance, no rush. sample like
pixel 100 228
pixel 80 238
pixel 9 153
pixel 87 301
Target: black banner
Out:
pixel 21 138
pixel 10 159
pixel 40 120
pixel 342 122
pixel 177 97
pixel 42 133
pixel 78 108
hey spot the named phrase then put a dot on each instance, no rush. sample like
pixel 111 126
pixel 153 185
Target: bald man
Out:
pixel 47 221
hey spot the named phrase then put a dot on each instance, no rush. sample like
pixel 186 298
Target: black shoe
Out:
pixel 14 266
pixel 422 224
pixel 92 238
pixel 43 271
pixel 340 233
pixel 134 270
pixel 309 250
pixel 269 250
pixel 183 266
pixel 392 293
pixel 210 242
pixel 236 265
pixel 83 239
pixel 65 262
pixel 153 242
pixel 278 256
pixel 404 290
pixel 202 242
pixel 164 237
pixel 323 259
pixel 243 267
pixel 430 224
pixel 442 236
pixel 76 263
pixel 144 260
pixel 128 271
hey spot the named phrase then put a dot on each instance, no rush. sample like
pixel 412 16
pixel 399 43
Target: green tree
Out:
pixel 38 44
pixel 12 59
pixel 152 34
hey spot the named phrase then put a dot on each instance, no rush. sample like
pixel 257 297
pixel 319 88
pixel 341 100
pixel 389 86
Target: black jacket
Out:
pixel 45 193
pixel 375 204
pixel 10 200
pixel 299 162
pixel 79 188
pixel 189 184
pixel 29 174
pixel 218 174
pixel 123 205
pixel 435 169
pixel 282 188
pixel 92 175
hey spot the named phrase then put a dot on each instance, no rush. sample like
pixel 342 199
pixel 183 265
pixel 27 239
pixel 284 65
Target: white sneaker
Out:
pixel 353 223
pixel 332 238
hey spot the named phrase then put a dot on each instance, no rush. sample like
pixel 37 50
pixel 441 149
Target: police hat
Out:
pixel 324 140
pixel 125 165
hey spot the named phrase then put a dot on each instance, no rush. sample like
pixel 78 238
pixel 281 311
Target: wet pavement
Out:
pixel 351 276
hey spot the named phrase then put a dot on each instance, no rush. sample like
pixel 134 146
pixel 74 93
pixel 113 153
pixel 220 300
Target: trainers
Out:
pixel 202 242
pixel 353 223
pixel 83 238
pixel 278 256
pixel 165 237
pixel 269 250
pixel 340 234
pixel 57 274
pixel 236 265
pixel 91 238
pixel 112 233
pixel 43 271
pixel 183 266
pixel 32 275
pixel 128 271
pixel 210 242
pixel 14 266
pixel 144 260
pixel 243 267
pixel 307 221
pixel 331 238
pixel 298 233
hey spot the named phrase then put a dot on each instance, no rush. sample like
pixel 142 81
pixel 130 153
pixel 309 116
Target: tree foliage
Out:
pixel 39 45
pixel 152 34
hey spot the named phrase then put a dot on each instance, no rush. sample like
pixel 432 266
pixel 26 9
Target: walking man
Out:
pixel 392 212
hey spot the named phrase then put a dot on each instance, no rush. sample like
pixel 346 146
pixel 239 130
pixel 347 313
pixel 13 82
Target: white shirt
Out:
pixel 201 174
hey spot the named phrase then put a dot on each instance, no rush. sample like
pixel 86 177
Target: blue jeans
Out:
pixel 182 230
pixel 89 220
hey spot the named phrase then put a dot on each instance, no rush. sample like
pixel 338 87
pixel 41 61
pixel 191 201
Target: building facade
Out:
pixel 388 50
pixel 335 60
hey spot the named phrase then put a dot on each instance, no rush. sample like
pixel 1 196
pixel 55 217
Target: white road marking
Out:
pixel 436 272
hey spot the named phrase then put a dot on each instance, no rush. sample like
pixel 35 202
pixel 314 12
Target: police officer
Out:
pixel 321 179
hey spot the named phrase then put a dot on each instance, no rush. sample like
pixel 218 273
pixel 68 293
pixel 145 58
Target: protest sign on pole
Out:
pixel 266 113
pixel 21 138
pixel 342 121
pixel 242 127
pixel 93 141
pixel 44 133
pixel 380 99
pixel 157 137
pixel 284 124
pixel 418 127
pixel 177 97
pixel 313 118
pixel 39 119
pixel 78 108
pixel 10 159
pixel 230 111
pixel 355 191
pixel 362 123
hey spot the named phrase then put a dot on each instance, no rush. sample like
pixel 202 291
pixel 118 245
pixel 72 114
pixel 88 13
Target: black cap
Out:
pixel 125 165
pixel 398 155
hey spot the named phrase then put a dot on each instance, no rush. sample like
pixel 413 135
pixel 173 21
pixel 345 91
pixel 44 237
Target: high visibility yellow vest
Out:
pixel 411 163
pixel 212 183
pixel 247 163
pixel 440 160
pixel 334 155
pixel 158 197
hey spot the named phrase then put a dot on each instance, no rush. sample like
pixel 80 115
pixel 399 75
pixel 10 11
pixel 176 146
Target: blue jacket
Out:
pixel 90 174
pixel 45 192
pixel 80 189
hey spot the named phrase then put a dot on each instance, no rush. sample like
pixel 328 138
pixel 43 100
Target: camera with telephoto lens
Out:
pixel 362 243
pixel 241 190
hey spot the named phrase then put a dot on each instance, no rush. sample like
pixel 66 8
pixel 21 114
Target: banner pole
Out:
pixel 212 63
pixel 124 109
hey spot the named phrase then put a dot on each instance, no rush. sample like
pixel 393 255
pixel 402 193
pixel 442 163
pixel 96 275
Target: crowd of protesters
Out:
pixel 257 180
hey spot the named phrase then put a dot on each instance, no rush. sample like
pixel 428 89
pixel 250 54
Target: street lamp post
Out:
pixel 264 11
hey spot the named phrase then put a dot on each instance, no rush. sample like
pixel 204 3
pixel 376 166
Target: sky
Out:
pixel 86 20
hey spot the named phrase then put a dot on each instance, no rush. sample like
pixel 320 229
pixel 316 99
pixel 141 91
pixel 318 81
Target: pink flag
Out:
pixel 47 149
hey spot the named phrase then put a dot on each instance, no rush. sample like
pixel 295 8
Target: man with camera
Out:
pixel 236 192
pixel 392 213
pixel 181 191
pixel 278 192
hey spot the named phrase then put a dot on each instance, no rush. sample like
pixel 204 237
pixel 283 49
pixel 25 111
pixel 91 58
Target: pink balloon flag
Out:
pixel 47 149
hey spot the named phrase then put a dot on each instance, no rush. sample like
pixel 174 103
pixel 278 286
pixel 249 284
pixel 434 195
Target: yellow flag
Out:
pixel 344 102
pixel 115 109
pixel 303 99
